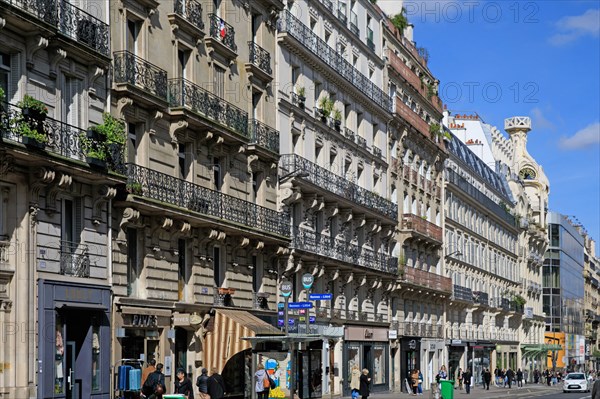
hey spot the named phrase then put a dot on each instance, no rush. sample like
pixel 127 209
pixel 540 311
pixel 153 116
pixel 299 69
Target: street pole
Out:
pixel 287 316
pixel 307 313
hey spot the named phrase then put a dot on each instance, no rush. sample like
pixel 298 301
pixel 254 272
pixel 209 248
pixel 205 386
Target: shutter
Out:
pixel 78 214
pixel 15 77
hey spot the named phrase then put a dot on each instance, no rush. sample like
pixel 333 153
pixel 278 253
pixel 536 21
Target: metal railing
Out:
pixel 260 300
pixel 264 136
pixel 74 259
pixel 420 225
pixel 136 71
pixel 183 93
pixel 260 57
pixel 165 188
pixel 331 57
pixel 462 293
pixel 481 298
pixel 338 185
pixel 222 31
pixel 344 251
pixel 426 279
pixel 418 329
pixel 191 11
pixel 59 138
pixel 70 21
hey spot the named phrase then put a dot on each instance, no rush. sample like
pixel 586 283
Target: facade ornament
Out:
pixel 158 115
pixel 34 44
pixel 41 178
pixel 175 127
pixel 62 185
pixel 102 196
pixel 7 162
pixel 122 104
pixel 57 54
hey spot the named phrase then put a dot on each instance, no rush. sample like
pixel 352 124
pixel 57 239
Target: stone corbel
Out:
pixel 7 162
pixel 57 54
pixel 34 44
pixel 334 275
pixel 174 128
pixel 241 243
pixel 130 218
pixel 272 19
pixel 94 73
pixel 102 196
pixel 331 210
pixel 39 180
pixel 289 194
pixel 346 215
pixel 153 120
pixel 174 30
pixel 181 228
pixel 2 23
pixel 160 223
pixel 122 104
pixel 61 185
pixel 253 163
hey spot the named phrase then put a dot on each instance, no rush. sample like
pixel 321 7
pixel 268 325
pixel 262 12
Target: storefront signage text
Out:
pixel 144 320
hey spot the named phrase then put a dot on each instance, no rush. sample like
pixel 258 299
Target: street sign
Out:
pixel 307 280
pixel 300 305
pixel 312 319
pixel 280 305
pixel 320 297
pixel 286 288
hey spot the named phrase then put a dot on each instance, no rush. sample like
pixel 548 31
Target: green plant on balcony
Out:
pixel 337 119
pixel 447 136
pixel 100 138
pixel 431 90
pixel 326 105
pixel 134 188
pixel 301 92
pixel 435 130
pixel 519 300
pixel 32 108
pixel 399 21
pixel 1 94
pixel 30 130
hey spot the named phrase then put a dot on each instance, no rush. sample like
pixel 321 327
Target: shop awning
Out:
pixel 226 330
pixel 80 305
pixel 536 350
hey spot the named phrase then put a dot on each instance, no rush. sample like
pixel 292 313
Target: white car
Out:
pixel 575 382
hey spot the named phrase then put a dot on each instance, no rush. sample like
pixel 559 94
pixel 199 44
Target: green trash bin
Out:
pixel 447 389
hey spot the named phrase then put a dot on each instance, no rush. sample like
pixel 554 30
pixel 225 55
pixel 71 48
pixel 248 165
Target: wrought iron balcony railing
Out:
pixel 422 226
pixel 328 4
pixel 59 138
pixel 74 259
pixel 260 57
pixel 264 136
pixel 377 152
pixel 260 300
pixel 71 21
pixel 481 298
pixel 338 185
pixel 354 23
pixel 136 71
pixel 427 279
pixel 183 93
pixel 344 251
pixel 341 13
pixel 461 293
pixel 191 11
pixel 222 31
pixel 165 188
pixel 303 34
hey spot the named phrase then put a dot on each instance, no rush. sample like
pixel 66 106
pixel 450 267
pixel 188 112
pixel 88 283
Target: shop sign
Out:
pixel 456 342
pixel 368 333
pixel 514 348
pixel 144 320
pixel 181 320
pixel 393 334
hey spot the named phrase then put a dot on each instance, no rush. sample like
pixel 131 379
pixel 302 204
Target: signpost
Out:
pixel 286 290
pixel 320 297
pixel 307 282
pixel 300 305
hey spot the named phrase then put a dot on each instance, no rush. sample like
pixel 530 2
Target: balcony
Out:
pixel 187 16
pixel 341 13
pixel 412 118
pixel 339 186
pixel 144 79
pixel 69 21
pixel 481 298
pixel 328 4
pixel 74 259
pixel 264 136
pixel 260 300
pixel 294 28
pixel 353 25
pixel 422 227
pixel 416 329
pixel 344 251
pixel 426 279
pixel 501 303
pixel 221 207
pixel 377 152
pixel 413 80
pixel 260 62
pixel 461 293
pixel 201 102
pixel 62 139
pixel 221 37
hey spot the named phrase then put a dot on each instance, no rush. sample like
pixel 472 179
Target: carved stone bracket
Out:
pixel 2 23
pixel 94 73
pixel 7 162
pixel 102 195
pixel 57 54
pixel 130 218
pixel 34 44
pixel 122 104
pixel 152 122
pixel 241 243
pixel 175 127
pixel 62 185
pixel 160 223
pixel 38 180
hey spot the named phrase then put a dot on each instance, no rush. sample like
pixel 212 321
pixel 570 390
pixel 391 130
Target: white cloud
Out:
pixel 573 27
pixel 588 136
pixel 539 121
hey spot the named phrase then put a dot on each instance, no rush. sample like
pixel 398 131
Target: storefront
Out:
pixel 457 350
pixel 368 348
pixel 74 340
pixel 479 359
pixel 507 356
pixel 410 358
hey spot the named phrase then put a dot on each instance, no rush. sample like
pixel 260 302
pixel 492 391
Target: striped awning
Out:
pixel 225 333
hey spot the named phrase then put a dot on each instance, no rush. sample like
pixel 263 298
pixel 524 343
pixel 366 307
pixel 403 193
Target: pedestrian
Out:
pixel 364 384
pixel 467 381
pixel 183 385
pixel 355 381
pixel 202 384
pixel 151 368
pixel 215 385
pixel 154 386
pixel 414 381
pixel 420 386
pixel 596 390
pixel 262 385
pixel 519 379
pixel 536 376
pixel 460 379
pixel 548 377
pixel 487 378
pixel 443 373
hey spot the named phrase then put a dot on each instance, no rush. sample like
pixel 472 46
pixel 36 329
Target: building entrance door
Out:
pixel 73 386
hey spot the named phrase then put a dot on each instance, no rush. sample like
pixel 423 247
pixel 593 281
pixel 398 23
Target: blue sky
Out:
pixel 532 58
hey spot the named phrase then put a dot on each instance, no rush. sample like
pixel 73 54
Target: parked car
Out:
pixel 575 382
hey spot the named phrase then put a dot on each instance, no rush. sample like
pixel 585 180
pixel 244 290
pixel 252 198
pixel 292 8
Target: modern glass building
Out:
pixel 562 277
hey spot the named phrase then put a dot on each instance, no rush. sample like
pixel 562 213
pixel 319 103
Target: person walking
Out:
pixel 596 390
pixel 355 380
pixel 510 376
pixel 151 368
pixel 183 385
pixel 364 384
pixel 467 381
pixel 154 386
pixel 460 379
pixel 487 378
pixel 519 379
pixel 420 382
pixel 262 385
pixel 443 373
pixel 414 381
pixel 215 385
pixel 202 384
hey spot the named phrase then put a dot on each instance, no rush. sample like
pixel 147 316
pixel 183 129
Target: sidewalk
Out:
pixel 528 391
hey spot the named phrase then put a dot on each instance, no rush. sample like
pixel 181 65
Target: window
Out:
pixel 183 164
pixel 9 75
pixel 72 94
pixel 217 7
pixel 295 75
pixel 392 93
pixel 133 32
pixel 256 96
pixel 217 176
pixel 181 269
pixel 255 275
pixel 219 270
pixel 3 213
pixel 183 57
pixel 131 142
pixel 256 20
pixel 219 81
pixel 132 263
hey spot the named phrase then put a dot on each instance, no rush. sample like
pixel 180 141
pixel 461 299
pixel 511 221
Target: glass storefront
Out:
pixel 372 356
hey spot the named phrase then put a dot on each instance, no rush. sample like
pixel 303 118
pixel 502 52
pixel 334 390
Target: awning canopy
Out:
pixel 535 350
pixel 225 332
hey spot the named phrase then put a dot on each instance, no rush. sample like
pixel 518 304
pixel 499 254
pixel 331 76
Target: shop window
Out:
pixel 379 359
pixel 59 368
pixel 96 371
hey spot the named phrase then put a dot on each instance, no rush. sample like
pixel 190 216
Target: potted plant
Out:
pixel 33 109
pixel 337 119
pixel 104 140
pixel 326 107
pixel 301 93
pixel 30 135
pixel 134 187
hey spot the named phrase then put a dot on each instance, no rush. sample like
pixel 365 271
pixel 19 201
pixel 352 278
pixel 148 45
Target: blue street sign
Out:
pixel 291 322
pixel 280 322
pixel 300 305
pixel 320 297
pixel 280 305
pixel 312 319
